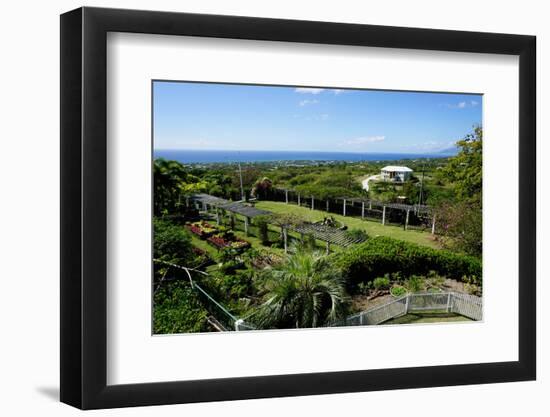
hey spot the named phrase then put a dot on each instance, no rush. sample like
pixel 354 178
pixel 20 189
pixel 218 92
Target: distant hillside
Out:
pixel 451 151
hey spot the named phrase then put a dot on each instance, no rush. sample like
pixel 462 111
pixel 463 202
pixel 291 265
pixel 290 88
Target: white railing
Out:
pixel 451 302
pixel 464 304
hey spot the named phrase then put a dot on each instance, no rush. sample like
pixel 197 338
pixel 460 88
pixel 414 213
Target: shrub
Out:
pixel 357 234
pixel 263 231
pixel 415 283
pixel 177 309
pixel 381 283
pixel 381 255
pixel 398 291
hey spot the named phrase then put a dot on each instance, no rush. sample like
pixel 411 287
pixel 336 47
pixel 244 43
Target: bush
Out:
pixel 398 291
pixel 357 234
pixel 415 283
pixel 177 309
pixel 263 231
pixel 381 255
pixel 381 283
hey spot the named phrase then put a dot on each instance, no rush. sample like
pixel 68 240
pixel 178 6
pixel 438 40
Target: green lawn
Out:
pixel 427 317
pixel 371 227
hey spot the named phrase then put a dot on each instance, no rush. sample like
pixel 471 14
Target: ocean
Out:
pixel 215 156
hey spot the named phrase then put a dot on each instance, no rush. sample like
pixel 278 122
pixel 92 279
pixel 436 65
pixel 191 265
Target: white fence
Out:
pixel 451 302
pixel 464 304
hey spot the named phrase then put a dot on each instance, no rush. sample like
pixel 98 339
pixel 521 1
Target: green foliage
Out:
pixel 398 291
pixel 381 283
pixel 460 226
pixel 380 255
pixel 357 234
pixel 465 170
pixel 235 285
pixel 306 291
pixel 415 283
pixel 263 232
pixel 178 310
pixel 171 242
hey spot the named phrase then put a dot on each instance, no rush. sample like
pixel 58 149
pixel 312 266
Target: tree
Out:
pixel 171 243
pixel 306 291
pixel 262 187
pixel 460 223
pixel 460 226
pixel 465 170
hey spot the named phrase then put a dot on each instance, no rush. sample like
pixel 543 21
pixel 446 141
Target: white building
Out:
pixel 396 173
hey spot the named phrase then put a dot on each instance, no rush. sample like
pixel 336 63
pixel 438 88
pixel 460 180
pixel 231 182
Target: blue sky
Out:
pixel 245 117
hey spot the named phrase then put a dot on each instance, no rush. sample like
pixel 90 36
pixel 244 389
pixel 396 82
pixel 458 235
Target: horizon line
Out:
pixel 302 150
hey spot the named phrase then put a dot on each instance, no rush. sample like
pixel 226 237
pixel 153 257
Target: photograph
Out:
pixel 291 207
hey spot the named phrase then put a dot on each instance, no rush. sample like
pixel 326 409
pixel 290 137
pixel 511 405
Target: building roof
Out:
pixel 396 168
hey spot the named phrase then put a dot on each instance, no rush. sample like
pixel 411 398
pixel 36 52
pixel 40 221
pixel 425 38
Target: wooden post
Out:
pixel 370 205
pixel 328 247
pixel 383 215
pixel 286 196
pixel 204 207
pixel 362 209
pixel 217 216
pixel 312 202
pixel 327 206
pixel 407 220
pixel 246 226
pixel 433 225
pixel 344 208
pixel 298 200
pixel 448 303
pixel 285 239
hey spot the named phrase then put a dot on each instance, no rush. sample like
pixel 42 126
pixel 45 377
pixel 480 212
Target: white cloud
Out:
pixel 309 90
pixel 462 104
pixel 307 102
pixel 364 140
pixel 337 92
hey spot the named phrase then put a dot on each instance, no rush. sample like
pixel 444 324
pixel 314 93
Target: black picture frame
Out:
pixel 84 207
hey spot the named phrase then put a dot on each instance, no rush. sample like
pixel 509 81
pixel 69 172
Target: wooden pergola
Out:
pixel 368 204
pixel 328 234
pixel 233 207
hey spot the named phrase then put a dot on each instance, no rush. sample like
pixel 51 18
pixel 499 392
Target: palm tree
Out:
pixel 306 291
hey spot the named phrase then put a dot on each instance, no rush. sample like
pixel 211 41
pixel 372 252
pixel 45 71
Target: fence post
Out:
pixel 407 220
pixel 238 324
pixel 286 196
pixel 285 239
pixel 344 208
pixel 298 200
pixel 246 226
pixel 312 202
pixel 407 303
pixel 448 302
pixel 362 209
pixel 433 225
pixel 383 215
pixel 327 206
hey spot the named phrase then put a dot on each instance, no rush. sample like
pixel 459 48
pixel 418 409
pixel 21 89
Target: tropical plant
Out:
pixel 306 291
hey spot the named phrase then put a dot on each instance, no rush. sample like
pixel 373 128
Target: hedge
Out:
pixel 380 255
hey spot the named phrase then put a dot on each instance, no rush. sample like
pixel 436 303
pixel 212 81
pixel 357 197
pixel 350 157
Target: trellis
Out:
pixel 423 212
pixel 234 207
pixel 328 234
